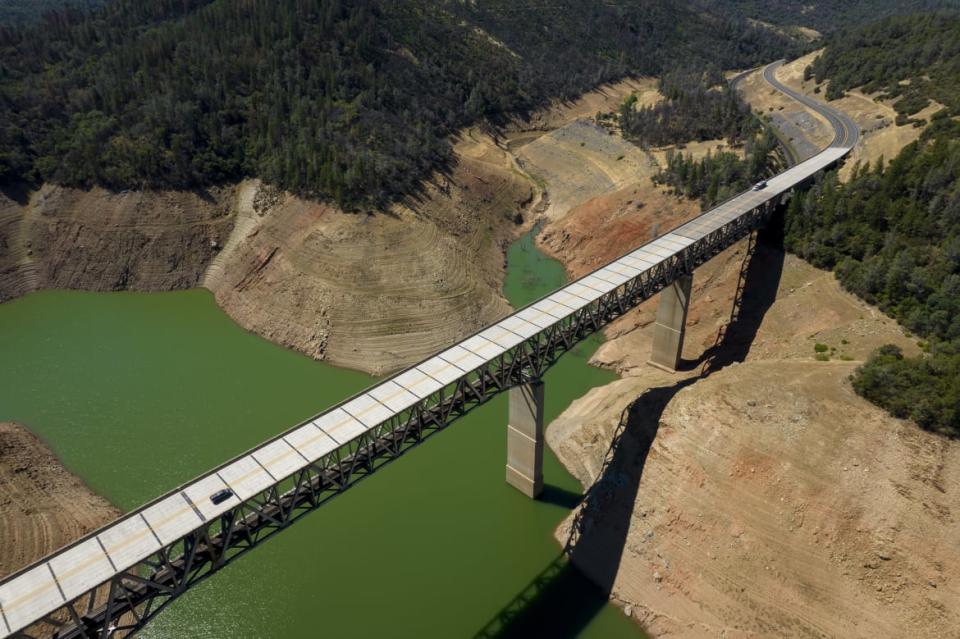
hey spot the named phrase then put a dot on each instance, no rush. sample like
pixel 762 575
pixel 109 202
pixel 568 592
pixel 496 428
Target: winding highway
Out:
pixel 846 131
pixel 113 581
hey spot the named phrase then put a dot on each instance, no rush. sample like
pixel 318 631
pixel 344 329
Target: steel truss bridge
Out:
pixel 111 582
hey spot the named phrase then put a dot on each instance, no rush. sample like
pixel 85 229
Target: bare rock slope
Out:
pixel 375 292
pixel 775 502
pixel 103 241
pixel 763 498
pixel 370 291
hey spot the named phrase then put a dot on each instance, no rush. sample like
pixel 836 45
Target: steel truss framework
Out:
pixel 130 599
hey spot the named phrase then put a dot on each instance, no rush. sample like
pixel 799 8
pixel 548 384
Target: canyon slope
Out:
pixel 369 291
pixel 373 291
pixel 753 493
pixel 764 497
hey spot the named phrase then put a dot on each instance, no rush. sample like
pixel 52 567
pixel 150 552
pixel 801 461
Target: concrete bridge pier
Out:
pixel 525 439
pixel 670 326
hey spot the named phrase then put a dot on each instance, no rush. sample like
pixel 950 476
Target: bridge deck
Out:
pixel 44 587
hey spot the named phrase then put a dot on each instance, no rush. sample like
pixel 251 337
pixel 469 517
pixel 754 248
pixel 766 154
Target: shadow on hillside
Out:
pixel 19 192
pixel 560 601
pixel 756 293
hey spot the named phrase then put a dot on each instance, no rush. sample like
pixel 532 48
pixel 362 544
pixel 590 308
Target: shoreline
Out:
pixel 43 505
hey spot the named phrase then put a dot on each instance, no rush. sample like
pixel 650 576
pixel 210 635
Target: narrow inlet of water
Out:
pixel 139 392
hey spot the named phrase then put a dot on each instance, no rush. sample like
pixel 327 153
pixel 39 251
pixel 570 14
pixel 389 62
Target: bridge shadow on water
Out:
pixel 561 602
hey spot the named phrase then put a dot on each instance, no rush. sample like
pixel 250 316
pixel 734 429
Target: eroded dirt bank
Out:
pixel 763 498
pixel 773 502
pixel 103 241
pixel 369 291
pixel 373 292
pixel 376 292
pixel 42 505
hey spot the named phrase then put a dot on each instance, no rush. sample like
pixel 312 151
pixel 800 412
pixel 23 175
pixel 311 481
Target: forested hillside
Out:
pixel 892 233
pixel 826 16
pixel 698 105
pixel 915 58
pixel 344 99
pixel 719 176
pixel 893 237
pixel 701 105
pixel 16 12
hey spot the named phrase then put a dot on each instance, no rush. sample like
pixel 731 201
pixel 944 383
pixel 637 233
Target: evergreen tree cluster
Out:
pixel 914 58
pixel 697 106
pixel 349 100
pixel 825 16
pixel 924 389
pixel 892 235
pixel 719 176
pixel 18 12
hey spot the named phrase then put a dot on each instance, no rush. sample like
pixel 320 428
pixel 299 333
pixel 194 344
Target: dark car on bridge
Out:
pixel 221 496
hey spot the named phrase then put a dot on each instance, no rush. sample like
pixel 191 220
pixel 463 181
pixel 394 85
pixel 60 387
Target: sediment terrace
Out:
pixel 42 505
pixel 369 291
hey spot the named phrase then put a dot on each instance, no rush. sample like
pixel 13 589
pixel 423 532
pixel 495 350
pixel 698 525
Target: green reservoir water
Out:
pixel 138 393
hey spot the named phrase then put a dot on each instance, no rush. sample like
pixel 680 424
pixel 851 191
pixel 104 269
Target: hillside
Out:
pixel 763 505
pixel 20 12
pixel 825 16
pixel 350 100
pixel 752 499
pixel 42 505
pixel 891 232
pixel 912 59
pixel 372 292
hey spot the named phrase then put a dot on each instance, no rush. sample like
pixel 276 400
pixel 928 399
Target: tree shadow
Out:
pixel 19 192
pixel 560 602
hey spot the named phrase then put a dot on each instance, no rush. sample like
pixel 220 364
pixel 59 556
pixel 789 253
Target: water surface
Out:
pixel 138 393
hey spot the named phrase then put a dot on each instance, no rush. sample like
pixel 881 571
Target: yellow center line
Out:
pixel 92 559
pixel 82 565
pixel 10 605
pixel 292 450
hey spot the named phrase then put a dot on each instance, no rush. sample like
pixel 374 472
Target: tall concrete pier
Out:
pixel 525 439
pixel 668 331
